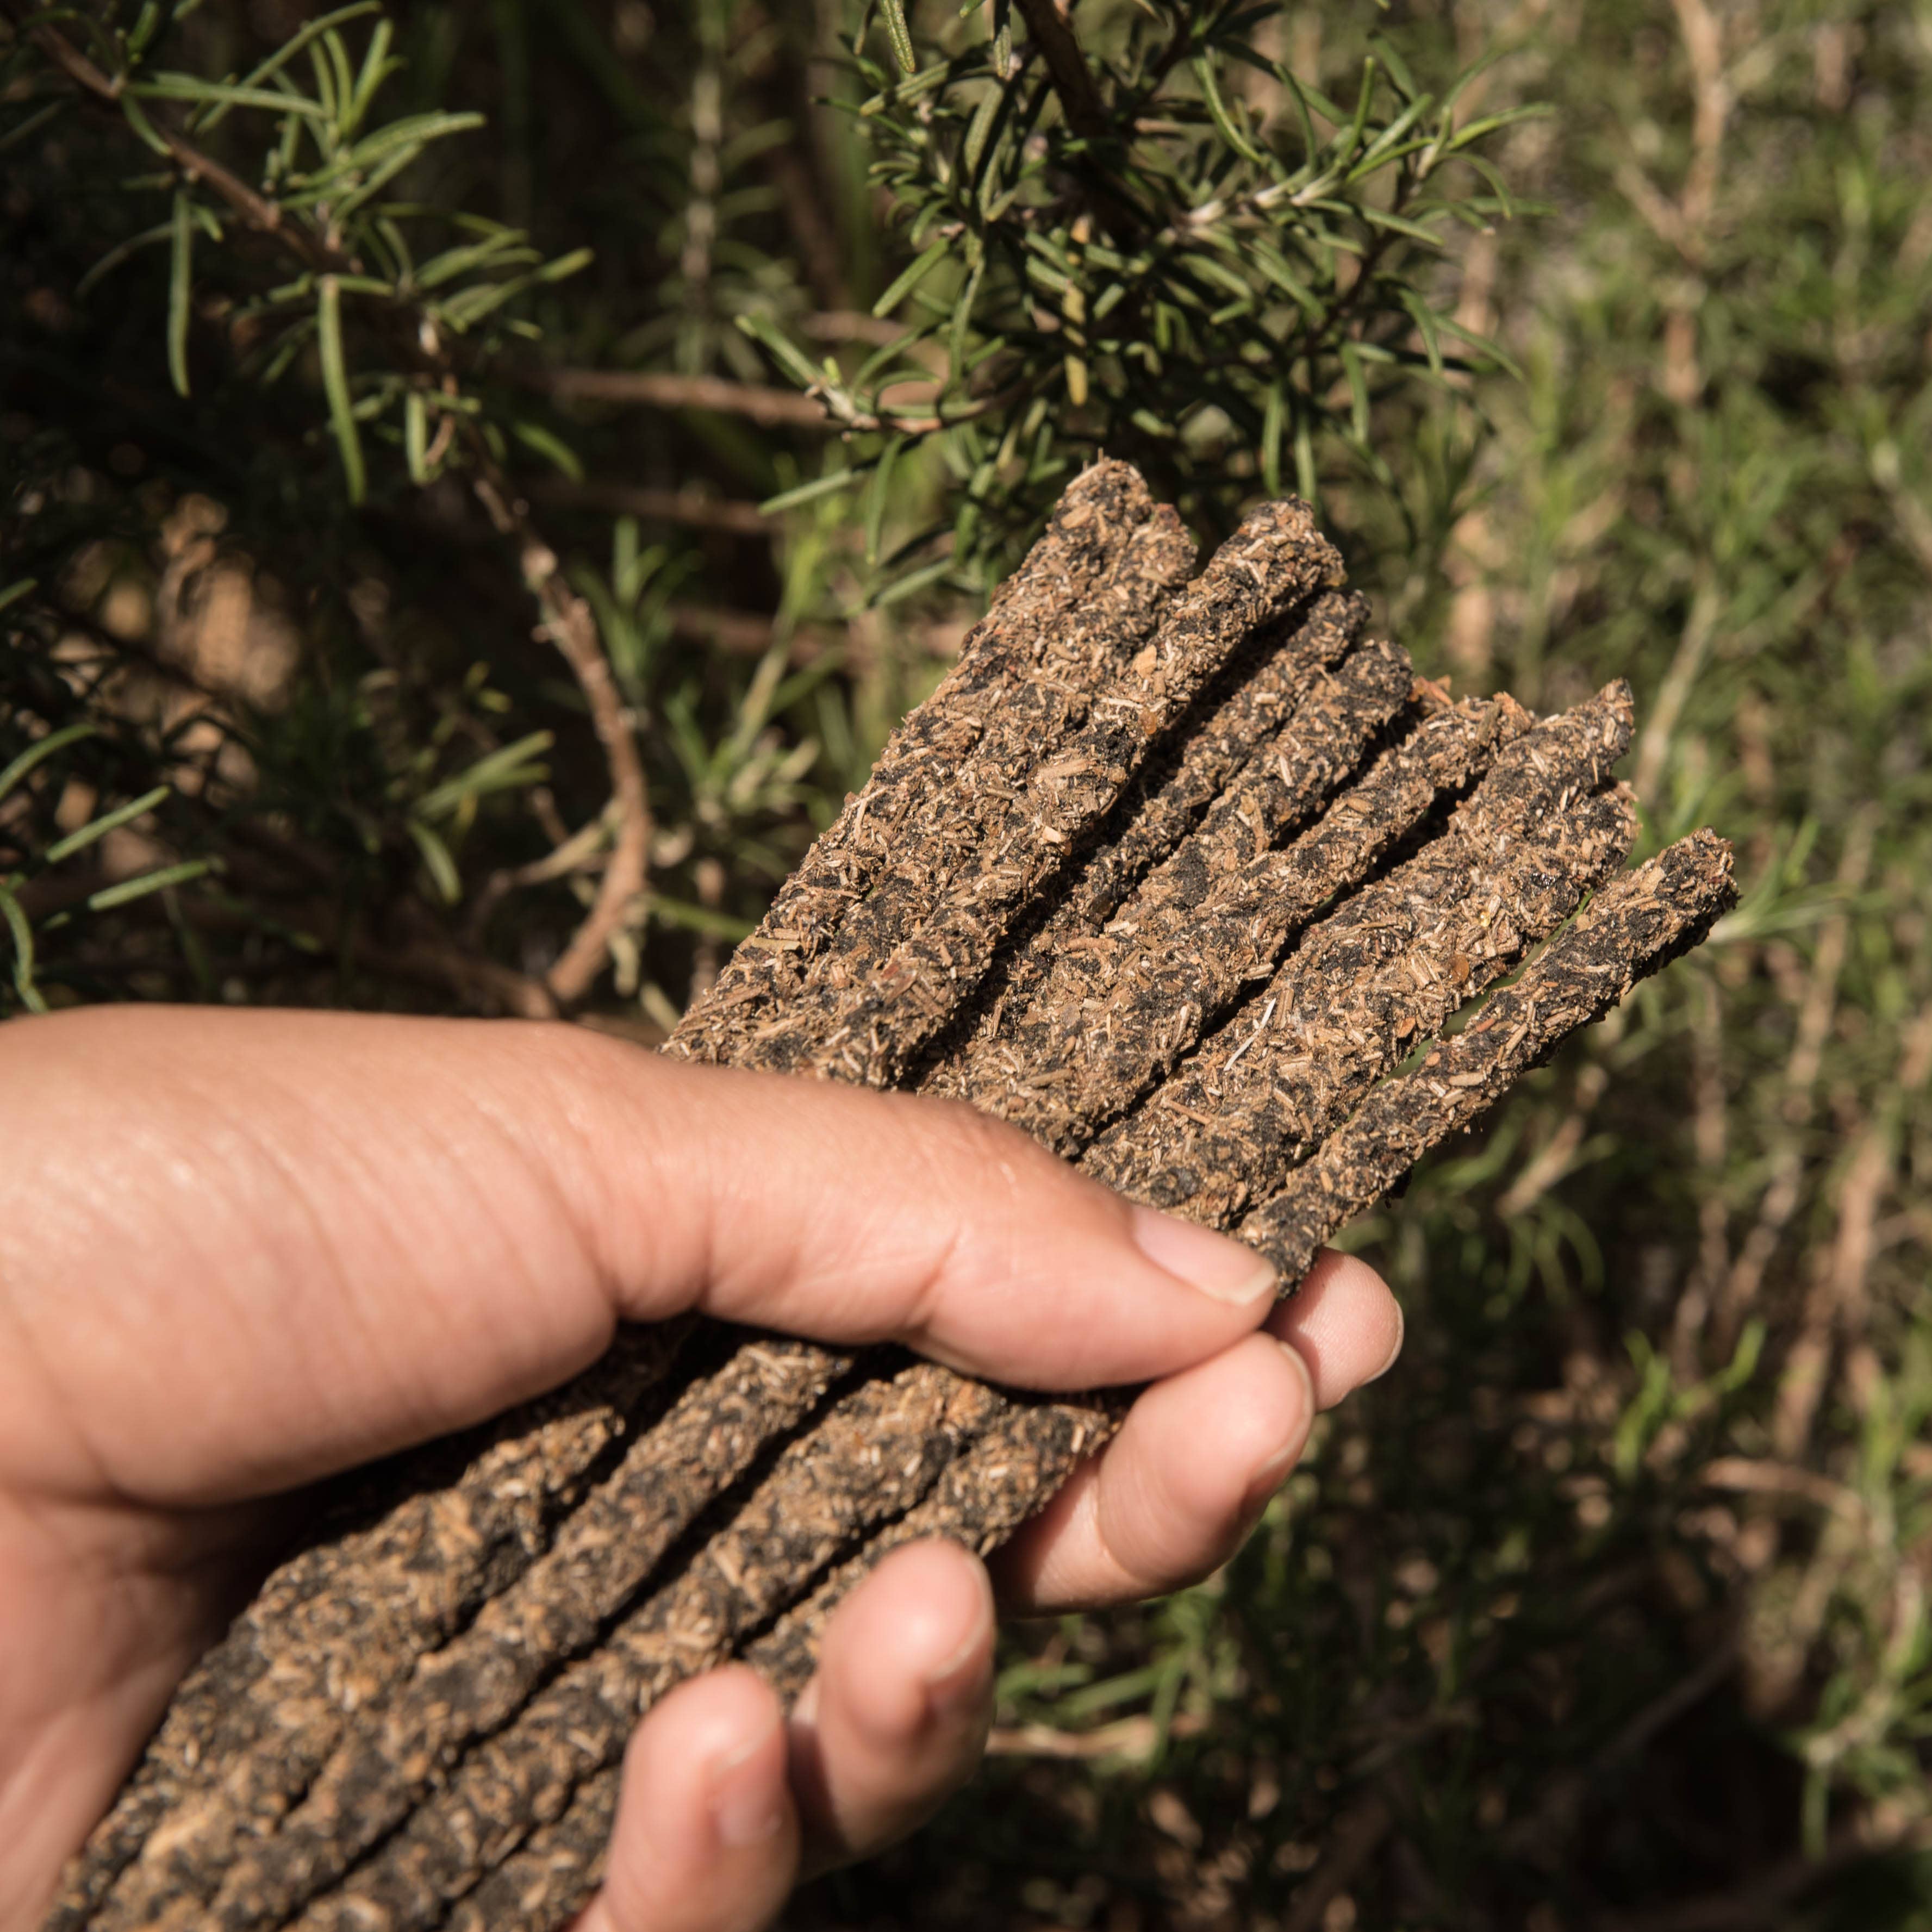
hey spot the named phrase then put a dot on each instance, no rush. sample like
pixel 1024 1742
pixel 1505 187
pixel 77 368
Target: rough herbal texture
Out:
pixel 1188 880
pixel 1085 546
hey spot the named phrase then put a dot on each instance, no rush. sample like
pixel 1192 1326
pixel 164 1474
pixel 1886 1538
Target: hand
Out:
pixel 240 1252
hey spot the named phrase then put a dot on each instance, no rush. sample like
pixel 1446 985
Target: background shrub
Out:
pixel 481 482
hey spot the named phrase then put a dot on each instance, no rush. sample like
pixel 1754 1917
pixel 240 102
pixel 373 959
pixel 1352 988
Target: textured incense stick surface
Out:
pixel 1028 1450
pixel 863 1013
pixel 1083 547
pixel 1081 1064
pixel 337 1627
pixel 1632 927
pixel 1191 881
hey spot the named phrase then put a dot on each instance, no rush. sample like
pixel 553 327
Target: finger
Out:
pixel 242 1250
pixel 1345 1324
pixel 707 1838
pixel 1171 1496
pixel 894 1720
pixel 1174 1494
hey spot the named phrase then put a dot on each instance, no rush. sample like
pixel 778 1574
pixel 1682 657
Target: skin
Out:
pixel 241 1252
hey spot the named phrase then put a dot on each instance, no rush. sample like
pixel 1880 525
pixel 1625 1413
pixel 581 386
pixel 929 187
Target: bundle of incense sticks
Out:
pixel 1179 872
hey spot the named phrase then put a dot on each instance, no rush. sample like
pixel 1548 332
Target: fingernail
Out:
pixel 1279 1462
pixel 1401 1329
pixel 1272 1474
pixel 1303 1372
pixel 960 1681
pixel 1223 1269
pixel 1270 1477
pixel 747 1806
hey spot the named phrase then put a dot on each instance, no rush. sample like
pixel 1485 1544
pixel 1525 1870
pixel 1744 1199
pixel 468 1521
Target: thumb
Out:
pixel 854 1215
pixel 239 1250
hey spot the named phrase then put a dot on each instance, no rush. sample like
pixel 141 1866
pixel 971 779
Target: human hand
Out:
pixel 240 1252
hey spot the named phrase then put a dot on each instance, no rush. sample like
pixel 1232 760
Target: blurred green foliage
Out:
pixel 1608 1608
pixel 333 296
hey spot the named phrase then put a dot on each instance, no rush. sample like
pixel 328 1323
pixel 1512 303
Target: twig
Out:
pixel 438 964
pixel 569 625
pixel 852 325
pixel 256 210
pixel 1752 1476
pixel 577 852
pixel 1703 43
pixel 426 958
pixel 819 407
pixel 660 506
pixel 1914 521
pixel 1663 1710
pixel 746 634
pixel 1815 1017
pixel 665 391
pixel 1135 1737
pixel 1073 80
pixel 1558 1154
pixel 1710 1137
pixel 568 622
pixel 1687 661
pixel 1834 1303
pixel 1565 1797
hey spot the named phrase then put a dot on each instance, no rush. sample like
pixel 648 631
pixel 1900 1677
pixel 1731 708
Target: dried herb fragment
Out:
pixel 1346 1007
pixel 1174 800
pixel 554 1611
pixel 1163 994
pixel 868 1029
pixel 1513 860
pixel 940 838
pixel 1169 796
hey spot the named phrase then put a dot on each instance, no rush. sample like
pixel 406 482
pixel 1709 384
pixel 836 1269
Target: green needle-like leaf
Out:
pixel 180 272
pixel 40 752
pixel 99 828
pixel 910 277
pixel 437 862
pixel 22 935
pixel 335 386
pixel 899 33
pixel 129 889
